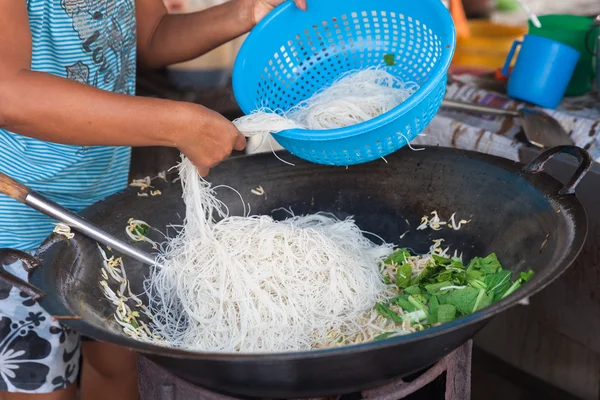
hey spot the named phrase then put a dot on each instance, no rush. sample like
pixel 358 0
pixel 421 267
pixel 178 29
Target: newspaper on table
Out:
pixel 502 135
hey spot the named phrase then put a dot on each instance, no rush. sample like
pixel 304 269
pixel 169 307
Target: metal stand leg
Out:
pixel 158 384
pixel 457 366
pixel 458 373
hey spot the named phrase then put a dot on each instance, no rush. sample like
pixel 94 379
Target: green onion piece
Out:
pixel 417 304
pixel 477 283
pixel 388 312
pixel 415 317
pixel 405 304
pixel 525 276
pixel 514 287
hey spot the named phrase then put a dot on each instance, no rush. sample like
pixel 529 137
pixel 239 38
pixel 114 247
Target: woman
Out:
pixel 67 119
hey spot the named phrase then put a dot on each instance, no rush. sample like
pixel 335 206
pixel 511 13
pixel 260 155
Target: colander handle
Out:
pixel 509 58
pixel 585 164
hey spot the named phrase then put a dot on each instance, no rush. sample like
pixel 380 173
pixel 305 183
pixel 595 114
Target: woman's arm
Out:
pixel 165 39
pixel 58 110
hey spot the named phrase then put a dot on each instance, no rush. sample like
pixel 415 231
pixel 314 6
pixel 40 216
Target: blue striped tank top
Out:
pixel 91 42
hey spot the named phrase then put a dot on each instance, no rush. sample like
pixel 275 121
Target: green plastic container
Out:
pixel 573 31
pixel 508 5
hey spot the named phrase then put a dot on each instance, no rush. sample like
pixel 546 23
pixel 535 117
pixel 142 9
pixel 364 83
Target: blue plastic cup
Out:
pixel 542 71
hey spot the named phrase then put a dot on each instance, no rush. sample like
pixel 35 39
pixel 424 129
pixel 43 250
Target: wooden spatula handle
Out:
pixel 12 188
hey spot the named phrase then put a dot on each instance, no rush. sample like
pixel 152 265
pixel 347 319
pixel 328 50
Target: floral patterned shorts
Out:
pixel 37 354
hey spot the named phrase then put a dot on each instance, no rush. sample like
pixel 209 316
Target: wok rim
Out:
pixel 568 201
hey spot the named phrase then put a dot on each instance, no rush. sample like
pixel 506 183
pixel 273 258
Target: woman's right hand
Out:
pixel 207 138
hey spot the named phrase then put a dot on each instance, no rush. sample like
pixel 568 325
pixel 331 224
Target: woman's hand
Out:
pixel 207 138
pixel 258 9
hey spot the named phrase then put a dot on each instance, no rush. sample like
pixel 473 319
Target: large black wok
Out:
pixel 528 218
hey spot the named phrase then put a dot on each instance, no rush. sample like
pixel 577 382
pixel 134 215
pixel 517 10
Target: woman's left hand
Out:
pixel 258 9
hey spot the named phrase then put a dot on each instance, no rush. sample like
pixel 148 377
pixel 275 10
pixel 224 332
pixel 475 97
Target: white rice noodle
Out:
pixel 253 284
pixel 355 97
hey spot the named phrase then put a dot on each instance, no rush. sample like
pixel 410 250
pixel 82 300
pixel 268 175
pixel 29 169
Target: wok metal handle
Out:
pixel 585 164
pixel 10 256
pixel 25 195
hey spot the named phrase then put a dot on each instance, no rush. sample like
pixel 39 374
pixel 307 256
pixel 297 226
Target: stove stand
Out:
pixel 158 384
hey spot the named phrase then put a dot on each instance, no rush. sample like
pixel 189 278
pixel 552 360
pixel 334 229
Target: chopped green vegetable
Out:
pixel 413 290
pixel 490 264
pixel 385 335
pixel 436 288
pixel 428 273
pixel 497 284
pixel 387 312
pixel 403 276
pixel 140 230
pixel 473 274
pixel 390 59
pixel 445 289
pixel 526 276
pixel 441 260
pixel 464 299
pixel 405 304
pixel 432 313
pixel 482 301
pixel 417 303
pixel 398 257
pixel 421 297
pixel 443 296
pixel 415 317
pixel 446 313
pixel 514 287
pixel 445 276
pixel 477 283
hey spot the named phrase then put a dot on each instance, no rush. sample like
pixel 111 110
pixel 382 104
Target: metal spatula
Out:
pixel 25 195
pixel 540 129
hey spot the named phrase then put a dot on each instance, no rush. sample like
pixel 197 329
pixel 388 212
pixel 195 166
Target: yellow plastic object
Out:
pixel 488 45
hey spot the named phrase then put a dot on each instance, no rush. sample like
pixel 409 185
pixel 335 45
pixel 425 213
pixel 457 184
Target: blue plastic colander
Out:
pixel 292 53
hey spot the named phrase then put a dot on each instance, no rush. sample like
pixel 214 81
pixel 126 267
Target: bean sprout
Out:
pixel 64 230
